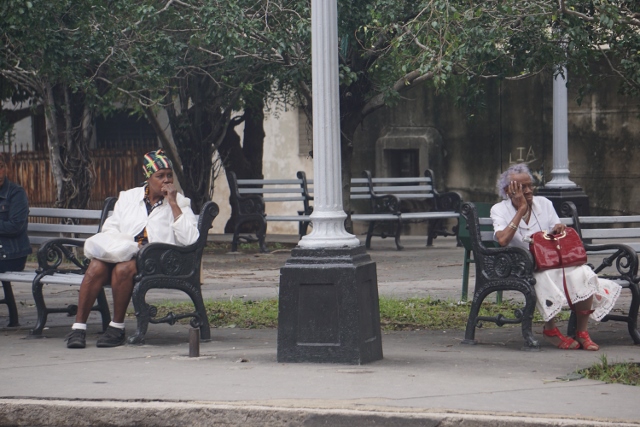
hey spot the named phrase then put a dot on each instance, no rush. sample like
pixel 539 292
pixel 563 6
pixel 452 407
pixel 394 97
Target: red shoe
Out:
pixel 585 341
pixel 566 343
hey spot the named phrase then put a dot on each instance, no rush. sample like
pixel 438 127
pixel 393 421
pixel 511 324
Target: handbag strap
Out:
pixel 566 291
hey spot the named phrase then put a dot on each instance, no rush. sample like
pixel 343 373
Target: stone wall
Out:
pixel 469 151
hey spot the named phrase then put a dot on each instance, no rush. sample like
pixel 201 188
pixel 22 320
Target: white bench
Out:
pixel 386 195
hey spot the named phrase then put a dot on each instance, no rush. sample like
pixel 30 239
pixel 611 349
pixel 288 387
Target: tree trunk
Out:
pixel 244 160
pixel 69 124
pixel 195 125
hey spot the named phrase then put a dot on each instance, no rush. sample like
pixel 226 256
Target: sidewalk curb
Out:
pixel 108 413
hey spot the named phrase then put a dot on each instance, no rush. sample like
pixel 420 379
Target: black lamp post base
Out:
pixel 570 194
pixel 328 307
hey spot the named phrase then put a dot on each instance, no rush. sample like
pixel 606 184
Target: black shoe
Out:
pixel 76 338
pixel 112 337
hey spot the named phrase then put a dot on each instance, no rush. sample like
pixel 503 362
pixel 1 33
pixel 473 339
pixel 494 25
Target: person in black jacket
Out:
pixel 14 213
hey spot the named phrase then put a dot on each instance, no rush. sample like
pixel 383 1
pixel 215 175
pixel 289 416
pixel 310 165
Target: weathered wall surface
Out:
pixel 516 126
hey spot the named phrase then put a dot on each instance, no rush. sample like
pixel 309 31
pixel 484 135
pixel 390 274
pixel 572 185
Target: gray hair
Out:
pixel 503 180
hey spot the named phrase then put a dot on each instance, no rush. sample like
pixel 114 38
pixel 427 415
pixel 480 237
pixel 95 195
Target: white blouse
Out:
pixel 543 218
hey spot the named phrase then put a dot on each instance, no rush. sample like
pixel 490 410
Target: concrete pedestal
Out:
pixel 328 307
pixel 558 195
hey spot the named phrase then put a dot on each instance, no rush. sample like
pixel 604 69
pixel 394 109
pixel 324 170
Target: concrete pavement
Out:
pixel 426 377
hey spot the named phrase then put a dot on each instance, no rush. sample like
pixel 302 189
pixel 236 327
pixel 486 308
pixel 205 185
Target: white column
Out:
pixel 328 213
pixel 560 172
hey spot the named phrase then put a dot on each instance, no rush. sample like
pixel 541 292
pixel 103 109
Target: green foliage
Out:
pixel 614 373
pixel 206 59
pixel 456 45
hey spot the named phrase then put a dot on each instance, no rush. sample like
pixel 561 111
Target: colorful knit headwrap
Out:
pixel 153 161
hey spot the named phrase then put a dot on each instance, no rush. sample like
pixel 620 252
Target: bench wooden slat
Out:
pixel 398 180
pixel 393 189
pixel 65 213
pixel 269 182
pixel 18 276
pixel 288 218
pixel 269 190
pixel 284 199
pixel 359 181
pixel 54 279
pixel 39 240
pixel 600 233
pixel 374 217
pixel 61 228
pixel 609 219
pixel 489 221
pixel 429 215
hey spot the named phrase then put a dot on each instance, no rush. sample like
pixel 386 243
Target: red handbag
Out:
pixel 557 250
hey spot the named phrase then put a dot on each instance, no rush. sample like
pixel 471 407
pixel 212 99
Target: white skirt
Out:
pixel 582 283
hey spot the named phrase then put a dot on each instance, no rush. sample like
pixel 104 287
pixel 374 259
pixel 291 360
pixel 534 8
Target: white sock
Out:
pixel 117 325
pixel 82 326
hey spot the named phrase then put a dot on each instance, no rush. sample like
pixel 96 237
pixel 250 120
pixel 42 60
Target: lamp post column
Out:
pixel 328 214
pixel 561 189
pixel 328 308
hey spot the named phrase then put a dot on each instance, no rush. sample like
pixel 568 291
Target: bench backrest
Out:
pixel 593 228
pixel 275 190
pixel 420 187
pixel 75 223
pixel 486 226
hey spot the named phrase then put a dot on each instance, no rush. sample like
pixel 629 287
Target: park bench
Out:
pixel 386 197
pixel 511 269
pixel 159 266
pixel 597 233
pixel 70 223
pixel 250 196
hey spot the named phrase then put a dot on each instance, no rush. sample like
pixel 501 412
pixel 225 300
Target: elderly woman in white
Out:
pixel 515 219
pixel 155 212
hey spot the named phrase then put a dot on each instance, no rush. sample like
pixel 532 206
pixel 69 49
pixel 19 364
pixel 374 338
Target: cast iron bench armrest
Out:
pixel 622 256
pixel 499 269
pixel 54 252
pixel 167 259
pixel 385 204
pixel 449 201
pixel 167 266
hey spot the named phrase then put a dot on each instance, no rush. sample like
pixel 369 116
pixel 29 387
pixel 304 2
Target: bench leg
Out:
pixel 465 275
pixel 146 313
pixel 631 319
pixel 434 226
pixel 397 236
pixel 372 224
pixel 41 307
pixel 632 323
pixel 261 234
pixel 10 301
pixel 236 236
pixel 524 316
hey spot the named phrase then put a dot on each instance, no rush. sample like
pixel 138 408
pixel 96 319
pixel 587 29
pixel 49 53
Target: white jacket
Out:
pixel 130 217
